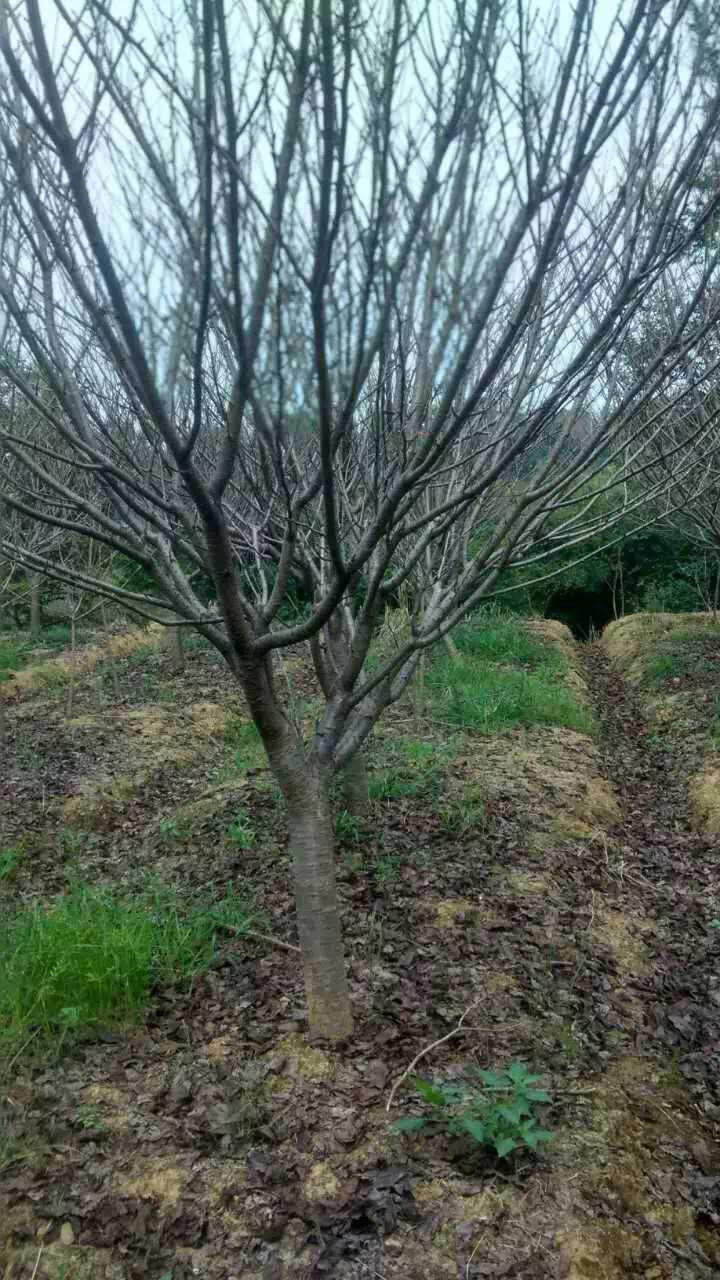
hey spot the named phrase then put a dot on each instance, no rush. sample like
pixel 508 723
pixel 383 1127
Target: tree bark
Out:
pixel 354 785
pixel 318 915
pixel 175 649
pixel 35 606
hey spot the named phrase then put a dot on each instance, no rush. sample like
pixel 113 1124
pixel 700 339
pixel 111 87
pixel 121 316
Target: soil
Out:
pixel 571 924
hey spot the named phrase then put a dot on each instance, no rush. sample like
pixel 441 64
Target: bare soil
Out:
pixel 214 1140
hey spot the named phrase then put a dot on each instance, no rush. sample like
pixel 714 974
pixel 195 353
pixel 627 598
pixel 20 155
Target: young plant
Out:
pixel 348 827
pixel 171 829
pixel 9 859
pixel 387 868
pixel 241 832
pixel 498 1113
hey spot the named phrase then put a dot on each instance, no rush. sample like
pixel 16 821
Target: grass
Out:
pixel 503 677
pixel 683 652
pixel 16 649
pixel 9 861
pixel 92 957
pixel 409 769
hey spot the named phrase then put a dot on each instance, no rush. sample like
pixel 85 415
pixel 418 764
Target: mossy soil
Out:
pixel 568 911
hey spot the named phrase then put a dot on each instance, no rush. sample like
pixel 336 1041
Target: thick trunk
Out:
pixel 318 915
pixel 354 786
pixel 173 644
pixel 35 608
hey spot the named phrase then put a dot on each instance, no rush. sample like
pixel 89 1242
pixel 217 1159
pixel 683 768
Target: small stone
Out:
pixel 67 1235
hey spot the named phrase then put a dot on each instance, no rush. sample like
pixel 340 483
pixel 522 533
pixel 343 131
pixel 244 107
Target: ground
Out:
pixel 554 885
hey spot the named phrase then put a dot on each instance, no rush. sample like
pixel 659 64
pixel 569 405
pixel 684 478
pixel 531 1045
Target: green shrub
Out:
pixel 499 1113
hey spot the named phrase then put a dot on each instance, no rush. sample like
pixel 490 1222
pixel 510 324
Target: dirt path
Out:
pixel 657 887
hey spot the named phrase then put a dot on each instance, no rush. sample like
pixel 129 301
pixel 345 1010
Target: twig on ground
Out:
pixel 263 937
pixel 428 1049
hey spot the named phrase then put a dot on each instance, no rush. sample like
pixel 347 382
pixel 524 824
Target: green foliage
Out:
pixel 463 813
pixel 504 677
pixel 172 828
pixel 348 827
pixel 408 769
pixel 89 1118
pixel 91 957
pixel 9 861
pixel 496 638
pixel 386 868
pixel 244 745
pixel 12 658
pixel 242 832
pixel 680 652
pixel 498 1113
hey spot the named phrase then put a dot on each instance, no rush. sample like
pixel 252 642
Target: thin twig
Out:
pixel 263 937
pixel 428 1048
pixel 37 1262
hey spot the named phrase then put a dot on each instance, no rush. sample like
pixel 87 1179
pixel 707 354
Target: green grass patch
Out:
pixel 505 676
pixel 9 861
pixel 408 769
pixel 243 750
pixel 685 651
pixel 506 641
pixel 92 957
pixel 16 651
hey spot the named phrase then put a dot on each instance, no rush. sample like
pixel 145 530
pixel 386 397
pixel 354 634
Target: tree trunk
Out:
pixel 173 645
pixel 354 785
pixel 35 607
pixel 318 916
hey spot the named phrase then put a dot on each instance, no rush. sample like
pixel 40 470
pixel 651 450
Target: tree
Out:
pixel 326 296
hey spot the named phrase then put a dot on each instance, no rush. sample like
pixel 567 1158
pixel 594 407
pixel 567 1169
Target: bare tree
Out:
pixel 328 295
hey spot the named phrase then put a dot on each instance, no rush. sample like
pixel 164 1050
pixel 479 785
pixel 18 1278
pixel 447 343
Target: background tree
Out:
pixel 328 298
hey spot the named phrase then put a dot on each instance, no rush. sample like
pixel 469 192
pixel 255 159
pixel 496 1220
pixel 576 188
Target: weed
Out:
pixel 571 1043
pixel 354 862
pixel 172 828
pixel 241 832
pixel 9 860
pixel 375 937
pixel 71 841
pixel 463 814
pixel 349 827
pixel 243 750
pixel 91 957
pixel 506 641
pixel 13 656
pixel 412 769
pixel 88 1117
pixel 487 698
pixel 27 758
pixel 84 960
pixel 386 869
pixel 497 1113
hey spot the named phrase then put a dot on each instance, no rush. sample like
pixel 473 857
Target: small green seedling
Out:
pixel 348 827
pixel 498 1113
pixel 89 1118
pixel 9 859
pixel 241 832
pixel 170 829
